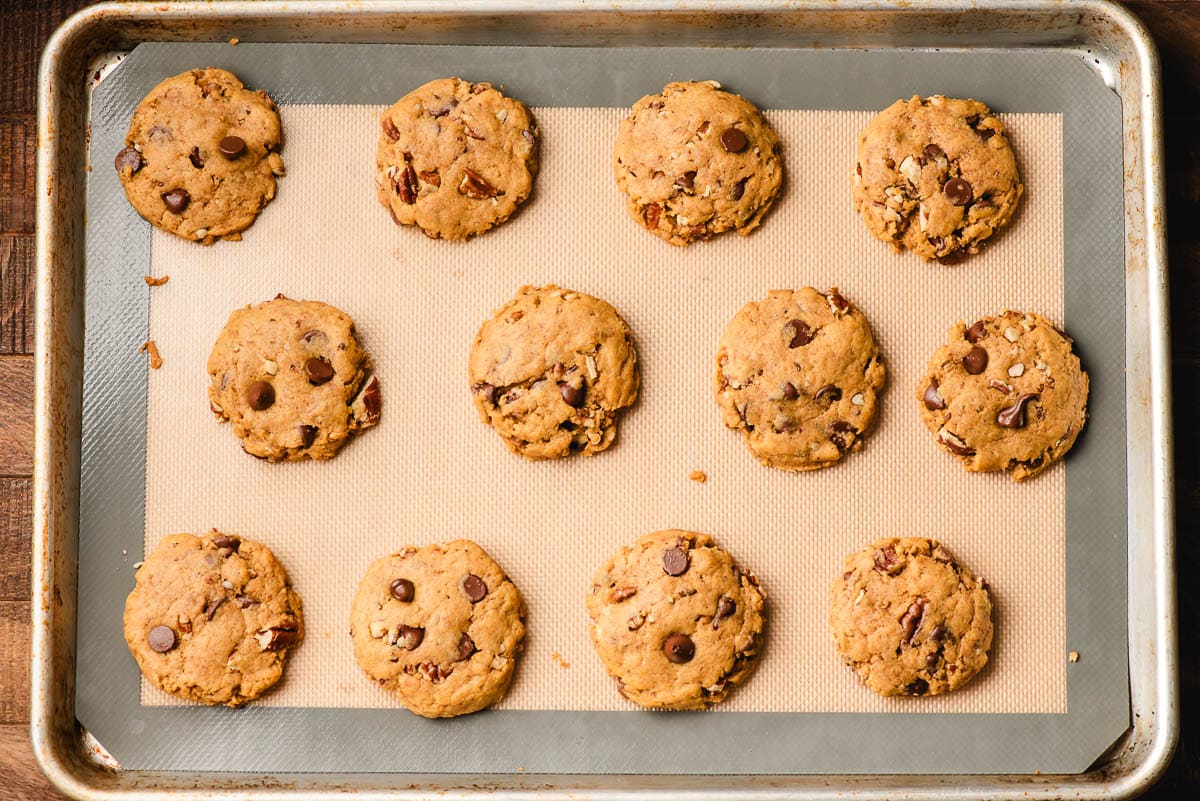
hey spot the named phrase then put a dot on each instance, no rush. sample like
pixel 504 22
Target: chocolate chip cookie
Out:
pixel 694 161
pixel 212 618
pixel 455 158
pixel 798 374
pixel 935 175
pixel 292 379
pixel 440 627
pixel 909 618
pixel 1005 393
pixel 552 370
pixel 200 158
pixel 675 621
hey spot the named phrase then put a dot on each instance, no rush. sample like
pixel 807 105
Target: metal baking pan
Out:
pixel 1102 35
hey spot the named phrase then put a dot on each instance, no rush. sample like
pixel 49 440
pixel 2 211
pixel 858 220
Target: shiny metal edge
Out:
pixel 1122 48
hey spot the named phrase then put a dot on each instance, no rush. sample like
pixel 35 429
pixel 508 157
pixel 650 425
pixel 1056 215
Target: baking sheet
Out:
pixel 450 291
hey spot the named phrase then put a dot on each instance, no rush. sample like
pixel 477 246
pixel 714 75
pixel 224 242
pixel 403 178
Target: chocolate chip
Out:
pixel 194 157
pixel 687 180
pixel 957 256
pixel 889 163
pixel 938 632
pixel 789 391
pixel 318 371
pixel 402 590
pixel 390 129
pixel 308 434
pixel 976 332
pixel 976 360
pixel 679 648
pixel 828 395
pixel 210 609
pixel 886 559
pixel 260 395
pixel 409 637
pixel 738 189
pixel 725 607
pixel 572 396
pixel 474 587
pixel 161 639
pixel 675 561
pixel 1014 416
pixel 232 146
pixel 986 133
pixel 733 140
pixel 176 200
pixel 933 401
pixel 910 621
pixel 933 151
pixel 466 647
pixel 796 333
pixel 917 687
pixel 653 212
pixel 973 120
pixel 128 159
pixel 224 541
pixel 958 191
pixel 842 434
pixel 486 390
pixel 931 660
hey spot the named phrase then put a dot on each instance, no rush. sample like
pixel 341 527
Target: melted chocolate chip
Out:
pixel 318 371
pixel 409 637
pixel 225 542
pixel 933 151
pixel 933 401
pixel 474 587
pixel 572 396
pixel 466 647
pixel 976 332
pixel 789 391
pixel 842 434
pixel 679 648
pixel 976 360
pixel 232 146
pixel 194 157
pixel 796 333
pixel 738 189
pixel 1014 416
pixel 176 200
pixel 308 435
pixel 828 395
pixel 675 562
pixel 486 390
pixel 128 159
pixel 917 687
pixel 402 590
pixel 733 140
pixel 958 191
pixel 161 639
pixel 725 607
pixel 260 396
pixel 687 180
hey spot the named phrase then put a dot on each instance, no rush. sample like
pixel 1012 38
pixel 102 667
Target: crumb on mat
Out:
pixel 152 349
pixel 699 476
pixel 152 281
pixel 562 663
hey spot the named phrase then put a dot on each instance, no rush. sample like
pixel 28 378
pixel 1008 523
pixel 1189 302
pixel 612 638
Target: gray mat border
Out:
pixel 366 740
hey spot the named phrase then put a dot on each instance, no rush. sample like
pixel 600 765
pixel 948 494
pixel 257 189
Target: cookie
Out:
pixel 1007 393
pixel 935 175
pixel 798 373
pixel 292 379
pixel 675 621
pixel 551 371
pixel 440 627
pixel 909 618
pixel 213 618
pixel 455 158
pixel 694 161
pixel 200 158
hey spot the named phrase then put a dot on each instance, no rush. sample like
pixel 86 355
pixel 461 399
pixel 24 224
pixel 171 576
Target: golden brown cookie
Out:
pixel 200 158
pixel 675 621
pixel 798 373
pixel 1007 393
pixel 292 379
pixel 455 158
pixel 694 160
pixel 440 627
pixel 212 618
pixel 935 175
pixel 552 370
pixel 909 618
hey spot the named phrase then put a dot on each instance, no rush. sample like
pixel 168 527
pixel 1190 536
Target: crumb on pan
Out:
pixel 149 347
pixel 1073 656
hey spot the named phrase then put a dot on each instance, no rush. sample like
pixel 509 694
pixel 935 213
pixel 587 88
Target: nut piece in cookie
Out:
pixel 1006 393
pixel 695 160
pixel 212 619
pixel 552 370
pixel 293 380
pixel 798 373
pixel 909 618
pixel 935 175
pixel 440 627
pixel 201 155
pixel 675 621
pixel 455 158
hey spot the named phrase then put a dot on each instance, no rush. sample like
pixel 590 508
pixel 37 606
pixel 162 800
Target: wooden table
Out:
pixel 24 27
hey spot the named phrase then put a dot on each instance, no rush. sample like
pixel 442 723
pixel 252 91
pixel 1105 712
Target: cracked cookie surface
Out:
pixel 798 374
pixel 212 618
pixel 292 379
pixel 935 175
pixel 675 621
pixel 439 626
pixel 200 158
pixel 552 370
pixel 909 618
pixel 455 158
pixel 1006 393
pixel 694 161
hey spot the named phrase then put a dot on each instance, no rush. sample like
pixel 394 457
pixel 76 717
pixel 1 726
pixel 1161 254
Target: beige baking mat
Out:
pixel 431 471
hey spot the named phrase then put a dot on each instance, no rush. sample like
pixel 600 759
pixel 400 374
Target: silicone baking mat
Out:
pixel 432 472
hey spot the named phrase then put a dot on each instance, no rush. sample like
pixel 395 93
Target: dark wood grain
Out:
pixel 14 661
pixel 16 294
pixel 16 410
pixel 20 779
pixel 18 141
pixel 16 527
